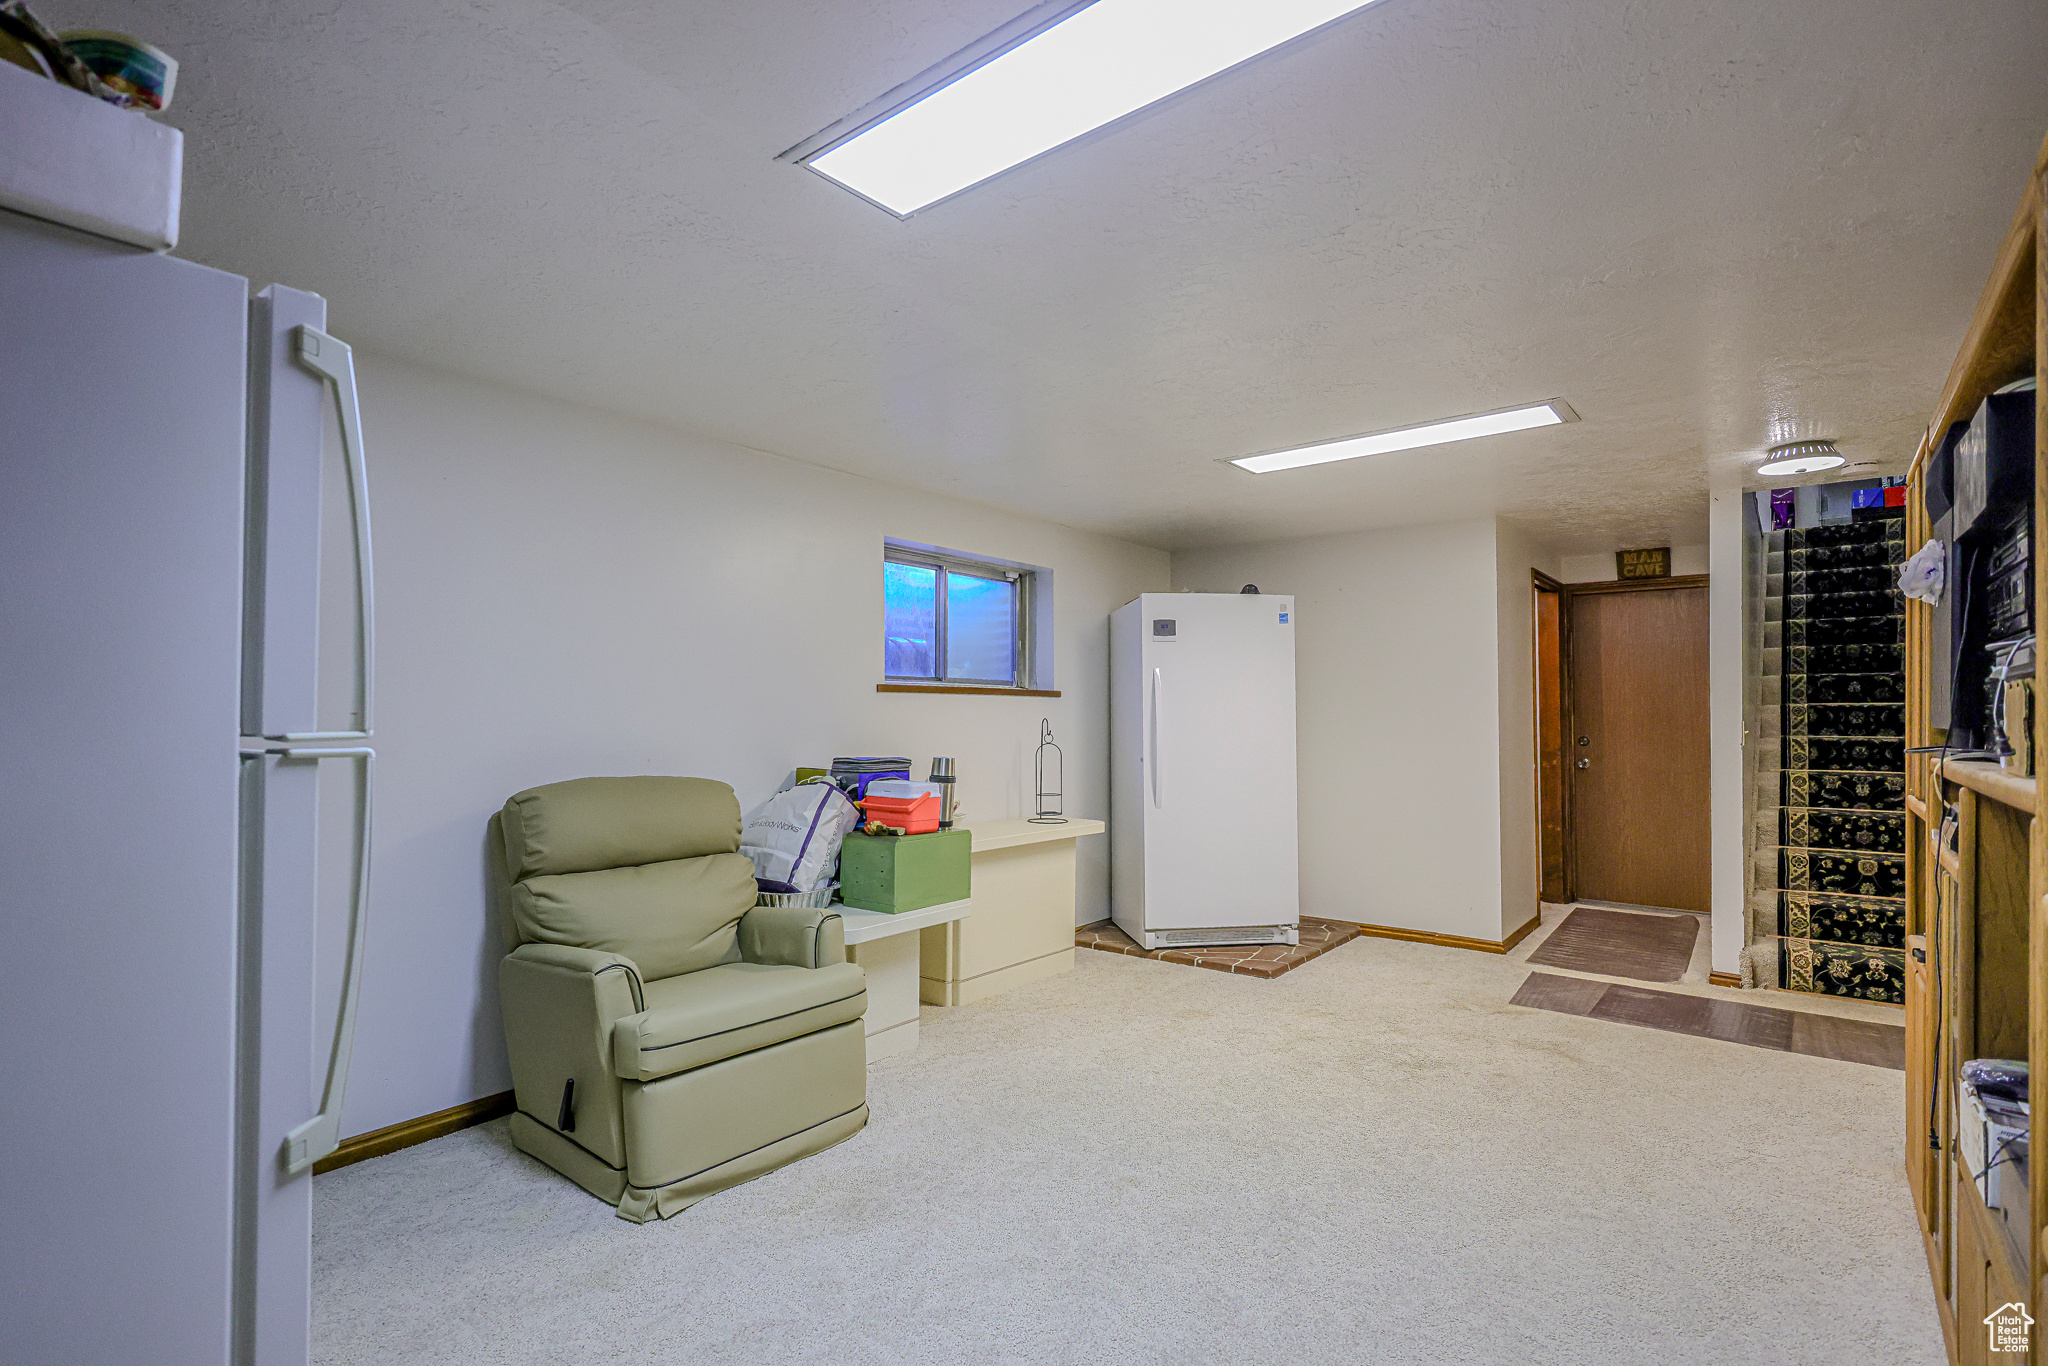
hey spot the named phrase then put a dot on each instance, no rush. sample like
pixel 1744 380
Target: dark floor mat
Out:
pixel 1650 948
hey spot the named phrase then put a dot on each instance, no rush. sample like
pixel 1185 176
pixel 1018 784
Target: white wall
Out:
pixel 1685 559
pixel 1515 555
pixel 1728 740
pixel 1398 696
pixel 564 593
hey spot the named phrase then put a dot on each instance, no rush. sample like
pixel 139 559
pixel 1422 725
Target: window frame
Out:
pixel 943 562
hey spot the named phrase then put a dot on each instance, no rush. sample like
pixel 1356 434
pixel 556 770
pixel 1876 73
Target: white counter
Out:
pixel 1023 923
pixel 993 835
pixel 865 926
pixel 887 948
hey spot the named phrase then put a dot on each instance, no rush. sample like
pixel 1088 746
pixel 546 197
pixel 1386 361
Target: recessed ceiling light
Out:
pixel 1410 438
pixel 1802 457
pixel 1058 72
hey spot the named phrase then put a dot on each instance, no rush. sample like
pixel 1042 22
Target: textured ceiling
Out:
pixel 1707 224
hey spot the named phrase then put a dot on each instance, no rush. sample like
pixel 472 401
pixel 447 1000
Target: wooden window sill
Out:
pixel 978 692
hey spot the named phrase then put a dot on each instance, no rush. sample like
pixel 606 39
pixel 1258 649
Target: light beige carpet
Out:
pixel 1372 1159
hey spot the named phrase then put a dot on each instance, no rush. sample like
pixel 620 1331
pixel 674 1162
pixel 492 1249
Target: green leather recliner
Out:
pixel 668 1038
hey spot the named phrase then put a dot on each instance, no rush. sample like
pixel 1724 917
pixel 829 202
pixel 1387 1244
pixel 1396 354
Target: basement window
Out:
pixel 950 619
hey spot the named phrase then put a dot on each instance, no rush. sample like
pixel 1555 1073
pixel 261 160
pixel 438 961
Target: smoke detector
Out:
pixel 1802 457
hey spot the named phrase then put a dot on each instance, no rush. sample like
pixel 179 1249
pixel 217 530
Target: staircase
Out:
pixel 1827 877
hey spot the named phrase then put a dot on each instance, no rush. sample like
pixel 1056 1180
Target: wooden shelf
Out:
pixel 1989 780
pixel 950 690
pixel 1977 911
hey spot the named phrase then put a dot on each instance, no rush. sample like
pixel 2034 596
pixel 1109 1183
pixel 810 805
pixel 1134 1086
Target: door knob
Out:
pixel 1585 763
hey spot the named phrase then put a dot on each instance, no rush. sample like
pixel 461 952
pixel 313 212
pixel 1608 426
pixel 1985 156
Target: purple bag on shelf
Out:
pixel 854 775
pixel 793 837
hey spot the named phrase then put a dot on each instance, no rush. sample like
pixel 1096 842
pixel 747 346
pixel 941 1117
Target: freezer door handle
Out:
pixel 321 1134
pixel 335 362
pixel 1152 746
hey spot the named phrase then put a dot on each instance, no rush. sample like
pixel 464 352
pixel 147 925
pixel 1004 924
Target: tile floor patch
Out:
pixel 1567 995
pixel 1649 946
pixel 1318 937
pixel 1709 1017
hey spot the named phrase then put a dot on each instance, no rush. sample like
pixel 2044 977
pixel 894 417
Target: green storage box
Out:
pixel 898 873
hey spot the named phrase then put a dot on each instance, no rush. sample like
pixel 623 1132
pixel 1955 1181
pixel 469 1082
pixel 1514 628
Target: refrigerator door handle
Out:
pixel 1152 760
pixel 334 361
pixel 321 1134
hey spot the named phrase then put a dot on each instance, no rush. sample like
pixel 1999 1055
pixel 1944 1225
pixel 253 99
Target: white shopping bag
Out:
pixel 793 837
pixel 1922 576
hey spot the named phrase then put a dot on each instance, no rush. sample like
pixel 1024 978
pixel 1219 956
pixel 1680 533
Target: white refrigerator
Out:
pixel 170 1072
pixel 1203 843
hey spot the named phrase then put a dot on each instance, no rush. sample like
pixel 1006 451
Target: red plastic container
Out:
pixel 912 815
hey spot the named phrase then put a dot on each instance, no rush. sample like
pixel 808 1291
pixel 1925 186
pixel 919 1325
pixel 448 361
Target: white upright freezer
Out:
pixel 169 1073
pixel 1203 834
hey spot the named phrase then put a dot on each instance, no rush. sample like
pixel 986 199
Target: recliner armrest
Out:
pixel 591 962
pixel 792 936
pixel 558 1005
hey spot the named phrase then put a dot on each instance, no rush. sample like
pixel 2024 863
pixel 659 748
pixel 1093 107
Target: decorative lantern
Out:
pixel 1051 766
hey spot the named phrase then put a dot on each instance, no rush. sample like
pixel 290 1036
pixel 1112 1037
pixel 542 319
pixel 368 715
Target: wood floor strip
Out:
pixel 1708 1017
pixel 1449 941
pixel 405 1133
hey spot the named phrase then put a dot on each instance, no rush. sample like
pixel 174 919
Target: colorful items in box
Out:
pixel 912 815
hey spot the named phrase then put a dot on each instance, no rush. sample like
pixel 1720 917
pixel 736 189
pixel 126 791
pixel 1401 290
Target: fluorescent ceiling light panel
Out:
pixel 1411 438
pixel 1805 464
pixel 1094 66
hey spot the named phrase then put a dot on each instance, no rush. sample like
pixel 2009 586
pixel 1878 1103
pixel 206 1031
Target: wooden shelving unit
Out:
pixel 1976 921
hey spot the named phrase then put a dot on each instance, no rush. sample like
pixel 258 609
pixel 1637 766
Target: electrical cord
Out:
pixel 1999 1156
pixel 1955 665
pixel 1934 972
pixel 1950 816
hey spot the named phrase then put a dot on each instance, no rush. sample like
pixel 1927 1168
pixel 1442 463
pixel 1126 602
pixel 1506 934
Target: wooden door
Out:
pixel 1553 855
pixel 1638 757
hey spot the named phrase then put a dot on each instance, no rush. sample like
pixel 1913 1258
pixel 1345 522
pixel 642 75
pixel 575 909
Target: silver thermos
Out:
pixel 942 773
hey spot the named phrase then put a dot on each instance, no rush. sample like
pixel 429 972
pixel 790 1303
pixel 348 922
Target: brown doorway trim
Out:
pixel 1552 653
pixel 1637 585
pixel 1556 866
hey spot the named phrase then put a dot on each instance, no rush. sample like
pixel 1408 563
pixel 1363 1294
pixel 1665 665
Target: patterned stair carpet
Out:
pixel 1841 822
